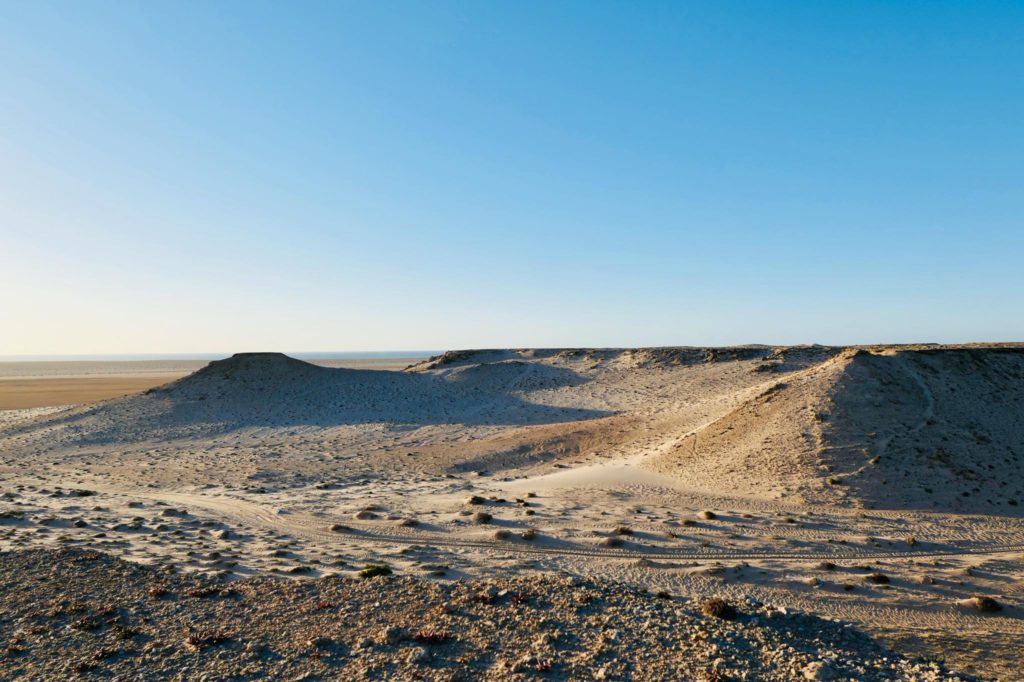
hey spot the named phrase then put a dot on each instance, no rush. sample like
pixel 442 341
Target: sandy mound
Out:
pixel 894 428
pixel 272 390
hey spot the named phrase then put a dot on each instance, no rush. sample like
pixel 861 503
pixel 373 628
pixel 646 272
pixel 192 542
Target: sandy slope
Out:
pixel 822 466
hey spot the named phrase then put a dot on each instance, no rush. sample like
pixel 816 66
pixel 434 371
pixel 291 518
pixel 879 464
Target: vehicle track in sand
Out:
pixel 251 514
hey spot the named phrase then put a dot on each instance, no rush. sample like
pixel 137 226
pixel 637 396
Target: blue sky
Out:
pixel 187 177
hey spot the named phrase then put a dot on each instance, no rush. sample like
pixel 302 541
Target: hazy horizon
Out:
pixel 460 175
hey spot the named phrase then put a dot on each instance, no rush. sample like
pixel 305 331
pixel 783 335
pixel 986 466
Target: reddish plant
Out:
pixel 432 636
pixel 200 639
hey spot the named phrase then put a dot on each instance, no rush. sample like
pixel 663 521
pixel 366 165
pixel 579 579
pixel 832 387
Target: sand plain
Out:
pixel 881 486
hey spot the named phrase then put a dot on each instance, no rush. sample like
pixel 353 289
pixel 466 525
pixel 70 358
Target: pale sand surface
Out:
pixel 822 467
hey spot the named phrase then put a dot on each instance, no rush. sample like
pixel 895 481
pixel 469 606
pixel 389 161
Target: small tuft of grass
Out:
pixel 374 570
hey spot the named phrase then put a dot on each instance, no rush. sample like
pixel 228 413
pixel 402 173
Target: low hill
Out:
pixel 272 390
pixel 887 427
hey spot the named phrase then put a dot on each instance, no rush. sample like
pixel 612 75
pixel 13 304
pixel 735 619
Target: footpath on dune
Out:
pixel 923 429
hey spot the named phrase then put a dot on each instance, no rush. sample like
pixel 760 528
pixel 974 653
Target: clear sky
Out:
pixel 216 176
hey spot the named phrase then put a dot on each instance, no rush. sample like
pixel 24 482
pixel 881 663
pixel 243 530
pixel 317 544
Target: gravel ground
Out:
pixel 86 615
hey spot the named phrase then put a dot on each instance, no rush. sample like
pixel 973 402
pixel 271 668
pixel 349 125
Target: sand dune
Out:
pixel 790 475
pixel 937 428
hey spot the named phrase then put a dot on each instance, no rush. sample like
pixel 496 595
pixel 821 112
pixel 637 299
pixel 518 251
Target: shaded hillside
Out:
pixel 925 429
pixel 252 390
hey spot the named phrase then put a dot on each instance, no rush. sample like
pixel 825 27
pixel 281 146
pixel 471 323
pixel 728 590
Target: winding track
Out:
pixel 303 525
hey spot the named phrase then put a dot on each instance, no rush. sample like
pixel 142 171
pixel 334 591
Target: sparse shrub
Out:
pixel 623 530
pixel 708 515
pixel 612 541
pixel 86 624
pixel 877 578
pixel 200 639
pixel 374 570
pixel 529 534
pixel 432 636
pixel 984 604
pixel 123 632
pixel 482 517
pixel 201 592
pixel 717 607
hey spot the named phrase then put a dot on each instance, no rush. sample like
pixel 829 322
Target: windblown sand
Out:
pixel 881 486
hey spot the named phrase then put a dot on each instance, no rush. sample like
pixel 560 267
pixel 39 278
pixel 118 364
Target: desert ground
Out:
pixel 873 490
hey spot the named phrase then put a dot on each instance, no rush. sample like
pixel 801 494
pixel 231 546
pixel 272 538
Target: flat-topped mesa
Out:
pixel 255 360
pixel 249 368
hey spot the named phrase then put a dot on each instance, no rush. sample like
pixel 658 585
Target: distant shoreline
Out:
pixel 149 357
